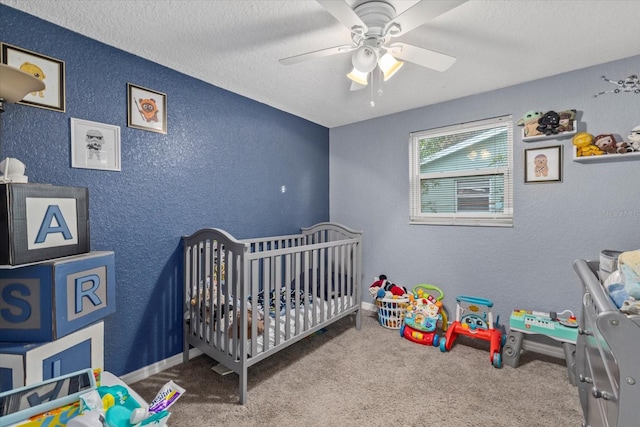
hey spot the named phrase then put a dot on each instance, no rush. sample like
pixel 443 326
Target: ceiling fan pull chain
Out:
pixel 373 104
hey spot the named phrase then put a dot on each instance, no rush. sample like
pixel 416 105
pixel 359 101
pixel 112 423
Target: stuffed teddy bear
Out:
pixel 260 328
pixel 382 288
pixel 606 143
pixel 584 143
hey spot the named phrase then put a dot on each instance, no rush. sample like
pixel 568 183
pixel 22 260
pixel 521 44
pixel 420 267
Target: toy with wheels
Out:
pixel 422 315
pixel 422 291
pixel 475 320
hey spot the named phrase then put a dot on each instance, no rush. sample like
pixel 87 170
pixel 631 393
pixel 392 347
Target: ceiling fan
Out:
pixel 373 24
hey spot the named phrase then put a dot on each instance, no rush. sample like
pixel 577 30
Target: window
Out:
pixel 462 174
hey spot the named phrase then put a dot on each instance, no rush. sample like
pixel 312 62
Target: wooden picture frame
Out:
pixel 95 145
pixel 47 69
pixel 146 109
pixel 543 165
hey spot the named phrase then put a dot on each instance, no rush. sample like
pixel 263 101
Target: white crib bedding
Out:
pixel 281 325
pixel 277 326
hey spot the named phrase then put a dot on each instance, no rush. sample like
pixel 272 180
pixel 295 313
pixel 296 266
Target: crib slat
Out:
pixel 323 288
pixel 315 286
pixel 287 323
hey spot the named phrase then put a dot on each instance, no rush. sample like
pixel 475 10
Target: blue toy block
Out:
pixel 24 364
pixel 48 300
pixel 40 222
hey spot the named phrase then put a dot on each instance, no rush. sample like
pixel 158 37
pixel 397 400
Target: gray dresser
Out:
pixel 607 356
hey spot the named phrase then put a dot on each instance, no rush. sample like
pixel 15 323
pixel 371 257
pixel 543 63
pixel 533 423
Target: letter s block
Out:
pixel 48 300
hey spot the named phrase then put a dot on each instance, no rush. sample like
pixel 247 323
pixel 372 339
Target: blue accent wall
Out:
pixel 223 163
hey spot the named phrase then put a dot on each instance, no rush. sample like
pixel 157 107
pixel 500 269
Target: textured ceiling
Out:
pixel 236 45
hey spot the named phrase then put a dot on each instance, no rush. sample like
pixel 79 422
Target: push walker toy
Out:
pixel 474 319
pixel 422 315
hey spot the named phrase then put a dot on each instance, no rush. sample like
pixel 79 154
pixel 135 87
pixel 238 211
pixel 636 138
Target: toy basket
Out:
pixel 391 311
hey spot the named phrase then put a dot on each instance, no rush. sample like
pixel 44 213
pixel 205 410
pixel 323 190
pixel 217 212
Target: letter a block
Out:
pixel 40 222
pixel 48 300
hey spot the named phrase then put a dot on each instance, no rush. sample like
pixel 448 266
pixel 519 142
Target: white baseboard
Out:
pixel 368 306
pixel 174 360
pixel 157 367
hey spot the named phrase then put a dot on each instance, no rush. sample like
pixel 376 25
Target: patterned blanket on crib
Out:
pixel 280 306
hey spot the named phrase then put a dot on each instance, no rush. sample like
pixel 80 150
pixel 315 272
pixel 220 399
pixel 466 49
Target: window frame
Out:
pixel 488 219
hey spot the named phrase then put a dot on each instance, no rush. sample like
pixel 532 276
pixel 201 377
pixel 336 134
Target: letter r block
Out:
pixel 45 301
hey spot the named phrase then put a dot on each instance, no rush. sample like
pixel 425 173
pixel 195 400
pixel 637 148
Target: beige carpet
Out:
pixel 373 377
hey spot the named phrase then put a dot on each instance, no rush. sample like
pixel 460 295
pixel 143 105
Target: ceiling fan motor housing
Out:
pixel 375 15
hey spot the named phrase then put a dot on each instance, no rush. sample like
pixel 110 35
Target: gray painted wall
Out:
pixel 529 266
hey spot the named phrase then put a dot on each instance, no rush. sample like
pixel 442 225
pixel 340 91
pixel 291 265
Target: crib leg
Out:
pixel 185 346
pixel 358 319
pixel 242 383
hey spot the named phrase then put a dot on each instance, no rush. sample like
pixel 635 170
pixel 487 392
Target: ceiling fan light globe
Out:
pixel 364 60
pixel 359 77
pixel 389 65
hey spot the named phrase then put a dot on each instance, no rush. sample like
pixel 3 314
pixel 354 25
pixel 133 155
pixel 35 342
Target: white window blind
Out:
pixel 463 174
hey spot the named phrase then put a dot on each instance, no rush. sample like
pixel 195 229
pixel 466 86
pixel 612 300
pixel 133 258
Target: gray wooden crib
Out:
pixel 246 300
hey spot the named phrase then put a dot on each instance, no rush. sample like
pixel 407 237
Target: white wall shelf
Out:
pixel 560 135
pixel 606 157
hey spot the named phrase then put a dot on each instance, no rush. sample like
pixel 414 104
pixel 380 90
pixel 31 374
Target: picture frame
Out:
pixel 49 70
pixel 543 165
pixel 146 109
pixel 95 145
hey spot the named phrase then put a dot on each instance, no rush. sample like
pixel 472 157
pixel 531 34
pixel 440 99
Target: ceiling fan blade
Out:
pixel 343 13
pixel 423 57
pixel 419 14
pixel 317 54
